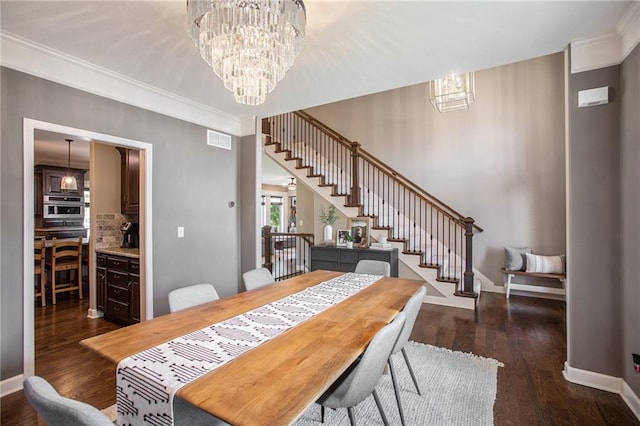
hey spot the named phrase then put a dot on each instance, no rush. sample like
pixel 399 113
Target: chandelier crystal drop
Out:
pixel 250 44
pixel 453 92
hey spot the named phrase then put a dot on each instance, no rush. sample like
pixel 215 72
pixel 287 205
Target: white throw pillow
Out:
pixel 545 264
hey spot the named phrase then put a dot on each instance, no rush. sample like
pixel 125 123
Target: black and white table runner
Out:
pixel 148 381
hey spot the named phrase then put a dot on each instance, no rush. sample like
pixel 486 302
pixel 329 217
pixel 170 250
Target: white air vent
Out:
pixel 218 139
pixel 592 97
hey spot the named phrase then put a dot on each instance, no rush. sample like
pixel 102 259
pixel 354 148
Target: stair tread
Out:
pixel 429 265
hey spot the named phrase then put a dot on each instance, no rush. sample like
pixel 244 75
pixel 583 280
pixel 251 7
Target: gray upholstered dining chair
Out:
pixel 360 380
pixel 56 409
pixel 410 310
pixel 373 267
pixel 257 278
pixel 192 295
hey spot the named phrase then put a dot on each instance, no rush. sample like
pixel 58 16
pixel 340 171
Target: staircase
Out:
pixel 434 240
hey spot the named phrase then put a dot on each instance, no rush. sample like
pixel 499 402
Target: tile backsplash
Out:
pixel 106 229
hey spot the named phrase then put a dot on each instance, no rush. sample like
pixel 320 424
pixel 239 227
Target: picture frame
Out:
pixel 360 228
pixel 341 240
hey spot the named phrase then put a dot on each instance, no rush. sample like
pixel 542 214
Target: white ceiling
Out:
pixel 352 48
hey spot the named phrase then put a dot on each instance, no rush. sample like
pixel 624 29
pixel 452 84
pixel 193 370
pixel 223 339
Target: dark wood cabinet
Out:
pixel 134 293
pixel 129 180
pixel 118 291
pixel 38 195
pixel 51 180
pixel 47 181
pixel 101 286
pixel 345 260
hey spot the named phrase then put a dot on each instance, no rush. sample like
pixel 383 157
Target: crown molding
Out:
pixel 41 61
pixel 629 29
pixel 608 49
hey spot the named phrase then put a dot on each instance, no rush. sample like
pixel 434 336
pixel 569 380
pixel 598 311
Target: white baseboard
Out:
pixel 494 289
pixel 11 385
pixel 631 399
pixel 605 383
pixel 538 295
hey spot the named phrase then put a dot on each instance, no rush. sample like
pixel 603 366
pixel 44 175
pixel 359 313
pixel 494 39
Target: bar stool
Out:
pixel 66 256
pixel 39 269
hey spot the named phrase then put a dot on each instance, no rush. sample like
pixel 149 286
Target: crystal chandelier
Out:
pixel 455 91
pixel 250 44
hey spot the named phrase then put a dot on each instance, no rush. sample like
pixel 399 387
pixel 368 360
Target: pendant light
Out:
pixel 291 186
pixel 69 182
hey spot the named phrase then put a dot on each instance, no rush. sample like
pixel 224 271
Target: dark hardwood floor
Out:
pixel 526 334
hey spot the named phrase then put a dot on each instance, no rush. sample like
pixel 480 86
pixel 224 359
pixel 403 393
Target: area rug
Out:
pixel 457 389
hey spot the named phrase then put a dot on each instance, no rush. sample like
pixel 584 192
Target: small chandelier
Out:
pixel 291 186
pixel 69 182
pixel 250 44
pixel 453 92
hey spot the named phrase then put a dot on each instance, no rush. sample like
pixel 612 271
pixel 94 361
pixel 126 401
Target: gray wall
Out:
pixel 594 233
pixel 630 209
pixel 248 195
pixel 500 162
pixel 192 184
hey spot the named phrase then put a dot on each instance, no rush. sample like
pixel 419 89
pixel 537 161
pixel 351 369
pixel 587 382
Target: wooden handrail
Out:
pixel 453 214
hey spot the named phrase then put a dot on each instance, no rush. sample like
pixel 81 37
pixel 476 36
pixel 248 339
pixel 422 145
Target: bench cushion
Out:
pixel 514 258
pixel 545 264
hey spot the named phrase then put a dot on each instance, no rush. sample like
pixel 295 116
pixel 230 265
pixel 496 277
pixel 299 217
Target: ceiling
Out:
pixel 352 48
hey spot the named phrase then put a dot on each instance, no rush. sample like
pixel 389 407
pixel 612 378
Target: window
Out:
pixel 276 215
pixel 272 212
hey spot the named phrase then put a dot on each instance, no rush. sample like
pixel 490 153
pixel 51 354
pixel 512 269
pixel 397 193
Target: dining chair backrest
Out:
pixel 257 278
pixel 39 251
pixel 66 255
pixel 55 409
pixel 38 254
pixel 373 267
pixel 192 295
pixel 410 310
pixel 362 377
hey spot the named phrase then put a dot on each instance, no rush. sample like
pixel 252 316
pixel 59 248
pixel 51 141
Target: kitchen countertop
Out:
pixel 120 251
pixel 61 228
pixel 49 243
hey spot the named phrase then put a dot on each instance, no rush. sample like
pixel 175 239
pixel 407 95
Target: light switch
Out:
pixel 180 231
pixel 300 222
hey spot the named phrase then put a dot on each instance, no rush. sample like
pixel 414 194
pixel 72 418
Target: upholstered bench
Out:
pixel 536 288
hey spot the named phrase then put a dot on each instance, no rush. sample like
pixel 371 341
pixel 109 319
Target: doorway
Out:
pixel 29 128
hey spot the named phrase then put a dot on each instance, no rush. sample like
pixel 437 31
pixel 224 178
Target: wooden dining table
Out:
pixel 277 381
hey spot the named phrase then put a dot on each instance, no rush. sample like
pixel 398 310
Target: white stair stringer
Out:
pixel 446 289
pixel 312 182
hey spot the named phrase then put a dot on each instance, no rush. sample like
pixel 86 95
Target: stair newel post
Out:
pixel 354 199
pixel 467 286
pixel 266 237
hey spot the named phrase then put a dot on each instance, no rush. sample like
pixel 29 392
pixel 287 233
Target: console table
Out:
pixel 344 259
